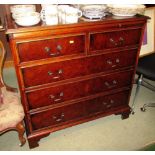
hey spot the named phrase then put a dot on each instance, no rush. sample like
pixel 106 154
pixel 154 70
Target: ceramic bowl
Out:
pixel 94 8
pixel 25 23
pixel 21 15
pixel 28 19
pixel 94 11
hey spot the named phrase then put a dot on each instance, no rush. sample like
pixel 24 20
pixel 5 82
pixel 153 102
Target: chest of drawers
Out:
pixel 71 74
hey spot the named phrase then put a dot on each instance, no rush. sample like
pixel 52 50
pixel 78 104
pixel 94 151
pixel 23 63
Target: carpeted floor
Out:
pixel 108 133
pixel 150 147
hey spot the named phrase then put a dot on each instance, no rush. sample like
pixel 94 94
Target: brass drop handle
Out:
pixel 113 42
pixel 111 101
pixel 108 105
pixel 117 60
pixel 50 73
pixel 48 50
pixel 107 84
pixel 58 74
pixel 59 47
pixel 121 41
pixel 113 84
pixel 59 118
pixel 104 103
pixel 54 54
pixel 56 98
pixel 110 62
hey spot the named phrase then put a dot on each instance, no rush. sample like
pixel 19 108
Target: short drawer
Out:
pixel 73 112
pixel 58 71
pixel 48 48
pixel 110 40
pixel 70 91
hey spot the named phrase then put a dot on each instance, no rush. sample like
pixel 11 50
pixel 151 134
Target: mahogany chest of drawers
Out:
pixel 70 74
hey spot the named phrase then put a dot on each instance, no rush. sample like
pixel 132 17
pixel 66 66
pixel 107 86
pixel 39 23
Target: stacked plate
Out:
pixel 22 8
pixel 126 9
pixel 25 15
pixel 28 19
pixel 94 11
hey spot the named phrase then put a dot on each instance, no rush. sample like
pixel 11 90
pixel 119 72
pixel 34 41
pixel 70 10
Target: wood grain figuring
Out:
pixel 51 48
pixel 101 41
pixel 66 92
pixel 78 67
pixel 60 115
pixel 73 73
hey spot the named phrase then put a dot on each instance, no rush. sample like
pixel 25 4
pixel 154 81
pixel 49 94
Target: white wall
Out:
pixel 149 47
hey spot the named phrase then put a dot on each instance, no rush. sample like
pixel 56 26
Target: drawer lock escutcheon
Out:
pixel 71 41
pixel 120 41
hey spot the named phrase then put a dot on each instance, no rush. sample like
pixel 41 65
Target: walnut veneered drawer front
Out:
pixel 107 102
pixel 59 116
pixel 48 73
pixel 69 91
pixel 114 39
pixel 48 48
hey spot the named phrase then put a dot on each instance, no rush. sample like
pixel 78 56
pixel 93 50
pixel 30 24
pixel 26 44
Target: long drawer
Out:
pixel 70 91
pixel 109 40
pixel 59 116
pixel 48 48
pixel 63 70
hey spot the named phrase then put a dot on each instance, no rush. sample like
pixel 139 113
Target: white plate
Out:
pixel 20 23
pixel 22 8
pixel 132 6
pixel 129 15
pixel 126 9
